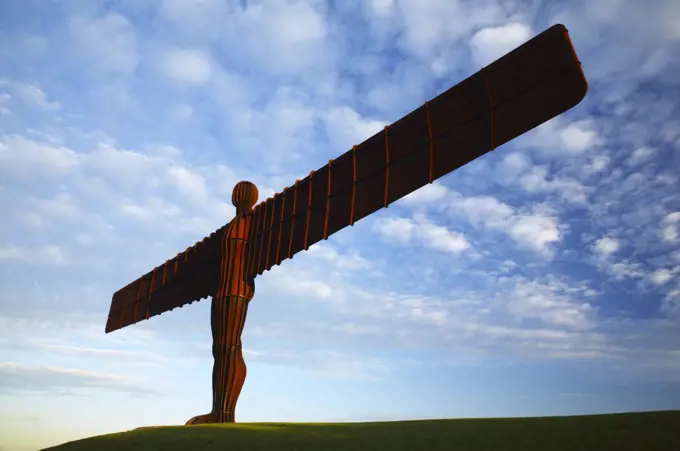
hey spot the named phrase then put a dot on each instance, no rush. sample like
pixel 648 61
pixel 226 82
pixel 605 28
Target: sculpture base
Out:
pixel 210 418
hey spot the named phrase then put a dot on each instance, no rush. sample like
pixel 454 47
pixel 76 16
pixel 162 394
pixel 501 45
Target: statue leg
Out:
pixel 228 317
pixel 231 368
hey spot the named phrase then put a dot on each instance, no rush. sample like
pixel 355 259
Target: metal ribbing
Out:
pixel 228 316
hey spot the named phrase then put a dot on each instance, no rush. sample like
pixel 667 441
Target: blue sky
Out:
pixel 541 279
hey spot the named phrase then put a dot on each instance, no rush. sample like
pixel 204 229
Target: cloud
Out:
pixel 186 66
pixel 551 302
pixel 661 276
pixel 28 159
pixel 430 194
pixel 489 44
pixel 48 255
pixel 420 229
pixel 31 93
pixel 558 137
pixel 351 260
pixel 118 355
pixel 109 40
pixel 431 27
pixel 550 318
pixel 671 227
pixel 49 380
pixel 286 36
pixel 346 127
pixel 578 137
pixel 640 155
pixel 188 183
pixel 606 246
pixel 671 303
pixel 324 364
pixel 596 165
pixel 203 19
pixel 536 180
pixel 537 231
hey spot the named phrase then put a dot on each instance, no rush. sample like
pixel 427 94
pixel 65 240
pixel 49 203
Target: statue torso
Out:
pixel 235 258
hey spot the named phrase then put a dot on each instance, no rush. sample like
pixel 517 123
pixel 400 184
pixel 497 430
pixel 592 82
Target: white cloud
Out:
pixel 605 251
pixel 300 285
pixel 27 159
pixel 346 127
pixel 430 194
pixel 188 183
pixel 400 229
pixel 596 165
pixel 286 36
pixel 515 163
pixel 671 303
pixel 606 246
pixel 671 227
pixel 381 8
pixel 551 302
pixel 33 94
pixel 484 211
pixel 196 17
pixel 420 229
pixel 557 138
pixel 324 364
pixel 47 255
pixel 187 66
pixel 443 239
pixel 31 378
pixel 110 40
pixel 537 231
pixel 430 27
pixel 627 269
pixel 661 276
pixel 536 180
pixel 640 155
pixel 534 231
pixel 351 260
pixel 120 355
pixel 578 137
pixel 489 44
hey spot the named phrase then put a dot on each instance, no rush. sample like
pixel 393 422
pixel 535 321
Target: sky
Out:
pixel 540 279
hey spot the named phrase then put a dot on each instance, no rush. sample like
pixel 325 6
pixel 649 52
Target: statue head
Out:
pixel 244 197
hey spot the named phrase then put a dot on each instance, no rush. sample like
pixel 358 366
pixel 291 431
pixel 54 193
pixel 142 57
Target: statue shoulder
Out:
pixel 238 227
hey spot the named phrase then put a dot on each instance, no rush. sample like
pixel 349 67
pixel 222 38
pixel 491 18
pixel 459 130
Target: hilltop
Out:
pixel 650 431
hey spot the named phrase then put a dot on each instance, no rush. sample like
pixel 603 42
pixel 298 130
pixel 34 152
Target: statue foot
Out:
pixel 203 419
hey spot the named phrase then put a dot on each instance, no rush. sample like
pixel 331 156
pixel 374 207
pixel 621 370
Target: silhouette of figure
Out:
pixel 229 309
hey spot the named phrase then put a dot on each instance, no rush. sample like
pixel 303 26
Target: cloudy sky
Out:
pixel 541 279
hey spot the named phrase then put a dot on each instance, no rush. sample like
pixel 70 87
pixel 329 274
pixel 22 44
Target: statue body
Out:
pixel 228 311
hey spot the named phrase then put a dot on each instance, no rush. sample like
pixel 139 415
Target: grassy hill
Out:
pixel 649 431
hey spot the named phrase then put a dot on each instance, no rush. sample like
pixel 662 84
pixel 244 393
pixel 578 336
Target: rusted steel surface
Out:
pixel 228 311
pixel 525 88
pixel 189 276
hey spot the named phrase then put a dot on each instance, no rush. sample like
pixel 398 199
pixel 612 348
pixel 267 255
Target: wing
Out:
pixel 188 277
pixel 525 88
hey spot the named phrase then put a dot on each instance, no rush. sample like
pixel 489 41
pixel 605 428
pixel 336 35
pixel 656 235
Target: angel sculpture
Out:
pixel 523 89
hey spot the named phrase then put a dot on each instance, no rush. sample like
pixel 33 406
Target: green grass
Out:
pixel 649 431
